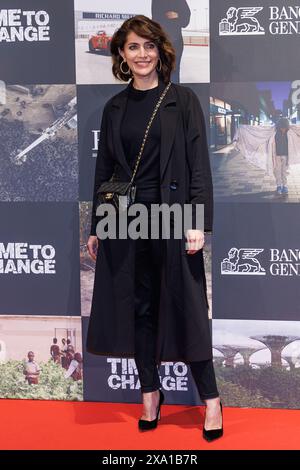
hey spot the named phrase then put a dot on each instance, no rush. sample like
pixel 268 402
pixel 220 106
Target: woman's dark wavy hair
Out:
pixel 148 29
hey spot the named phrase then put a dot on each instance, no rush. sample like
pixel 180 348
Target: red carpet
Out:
pixel 33 425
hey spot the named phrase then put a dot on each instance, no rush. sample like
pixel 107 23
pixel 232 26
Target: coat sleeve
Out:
pixel 104 166
pixel 184 12
pixel 157 12
pixel 201 187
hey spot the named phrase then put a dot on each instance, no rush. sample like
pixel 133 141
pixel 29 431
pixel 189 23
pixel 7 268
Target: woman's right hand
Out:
pixel 92 246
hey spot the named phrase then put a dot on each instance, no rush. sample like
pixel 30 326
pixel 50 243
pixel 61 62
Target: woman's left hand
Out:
pixel 194 241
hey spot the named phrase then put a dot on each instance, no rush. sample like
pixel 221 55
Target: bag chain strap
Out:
pixel 147 130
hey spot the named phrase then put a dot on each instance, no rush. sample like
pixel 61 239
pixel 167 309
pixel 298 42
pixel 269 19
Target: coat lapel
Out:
pixel 168 115
pixel 119 107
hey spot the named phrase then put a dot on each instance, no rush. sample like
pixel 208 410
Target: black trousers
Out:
pixel 148 261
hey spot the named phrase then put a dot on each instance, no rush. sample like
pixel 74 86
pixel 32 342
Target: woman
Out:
pixel 149 300
pixel 280 155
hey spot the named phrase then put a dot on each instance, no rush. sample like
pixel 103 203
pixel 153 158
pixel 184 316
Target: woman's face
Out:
pixel 140 54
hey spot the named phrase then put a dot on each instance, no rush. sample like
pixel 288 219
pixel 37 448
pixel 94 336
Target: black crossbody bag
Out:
pixel 110 191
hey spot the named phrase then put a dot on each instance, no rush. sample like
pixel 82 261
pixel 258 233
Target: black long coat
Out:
pixel 183 325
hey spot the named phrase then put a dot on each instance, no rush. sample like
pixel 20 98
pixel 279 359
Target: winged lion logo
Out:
pixel 241 21
pixel 243 261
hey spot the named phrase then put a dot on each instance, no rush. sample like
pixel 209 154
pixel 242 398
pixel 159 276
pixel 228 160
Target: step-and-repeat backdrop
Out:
pixel 242 60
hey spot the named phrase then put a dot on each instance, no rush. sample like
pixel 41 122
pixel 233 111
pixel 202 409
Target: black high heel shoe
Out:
pixel 145 425
pixel 212 434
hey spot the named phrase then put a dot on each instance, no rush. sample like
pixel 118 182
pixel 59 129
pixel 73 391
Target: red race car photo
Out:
pixel 100 42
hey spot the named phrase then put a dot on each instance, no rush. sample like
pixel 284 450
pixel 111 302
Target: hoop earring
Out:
pixel 158 70
pixel 128 71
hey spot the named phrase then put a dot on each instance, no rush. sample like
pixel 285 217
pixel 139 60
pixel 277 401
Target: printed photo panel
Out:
pixel 255 141
pixel 38 143
pixel 185 21
pixel 257 362
pixel 41 357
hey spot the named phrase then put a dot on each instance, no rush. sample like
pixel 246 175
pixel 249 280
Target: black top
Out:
pixel 140 106
pixel 281 141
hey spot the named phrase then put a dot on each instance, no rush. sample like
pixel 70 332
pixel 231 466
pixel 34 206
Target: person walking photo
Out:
pixel 149 298
pixel 280 155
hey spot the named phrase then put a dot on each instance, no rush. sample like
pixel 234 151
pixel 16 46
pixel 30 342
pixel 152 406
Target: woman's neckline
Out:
pixel 143 91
